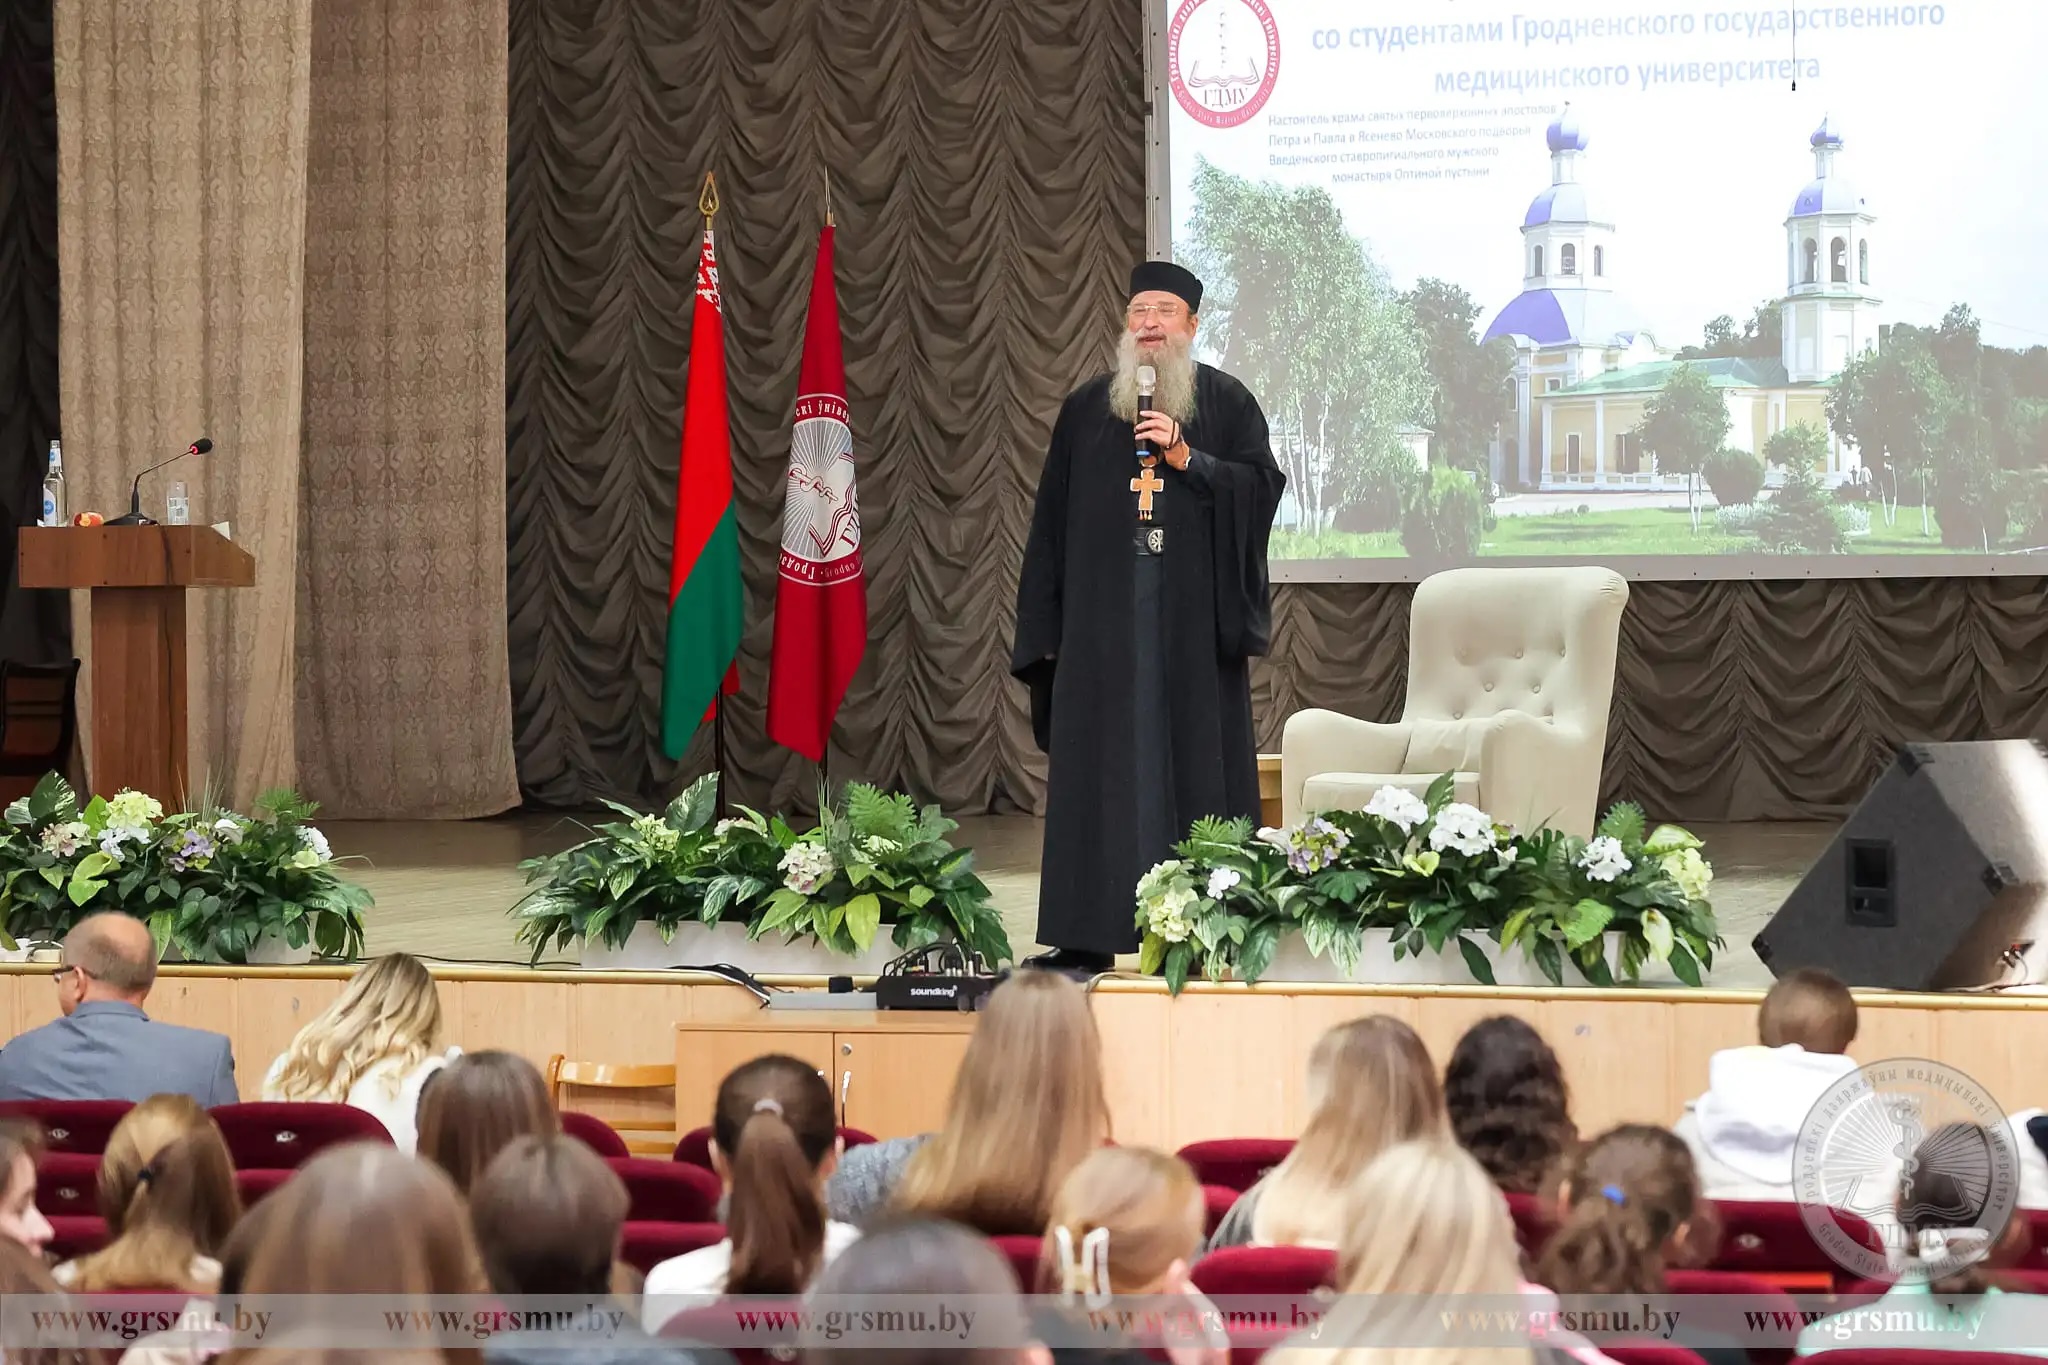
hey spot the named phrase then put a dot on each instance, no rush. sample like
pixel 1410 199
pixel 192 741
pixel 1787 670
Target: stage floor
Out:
pixel 443 887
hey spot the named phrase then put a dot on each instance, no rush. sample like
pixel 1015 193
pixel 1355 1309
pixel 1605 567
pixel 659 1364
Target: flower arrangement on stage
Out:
pixel 1431 872
pixel 211 883
pixel 874 858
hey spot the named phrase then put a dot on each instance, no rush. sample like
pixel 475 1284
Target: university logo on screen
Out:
pixel 1223 59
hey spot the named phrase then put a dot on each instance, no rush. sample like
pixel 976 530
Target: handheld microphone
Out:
pixel 1148 379
pixel 135 517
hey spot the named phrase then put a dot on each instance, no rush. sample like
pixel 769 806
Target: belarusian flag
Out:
pixel 821 603
pixel 704 607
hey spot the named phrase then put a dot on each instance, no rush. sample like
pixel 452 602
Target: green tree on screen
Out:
pixel 1801 446
pixel 1683 426
pixel 1297 309
pixel 1895 405
pixel 1470 377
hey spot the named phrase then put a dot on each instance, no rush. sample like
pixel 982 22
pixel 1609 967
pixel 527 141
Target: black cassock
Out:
pixel 1138 662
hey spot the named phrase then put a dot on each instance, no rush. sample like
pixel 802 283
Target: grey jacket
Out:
pixel 108 1050
pixel 860 1190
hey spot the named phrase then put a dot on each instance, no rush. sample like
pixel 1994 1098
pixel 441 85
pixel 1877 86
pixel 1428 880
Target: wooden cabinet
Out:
pixel 890 1073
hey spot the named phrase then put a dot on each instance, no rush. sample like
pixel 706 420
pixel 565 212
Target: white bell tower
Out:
pixel 1828 314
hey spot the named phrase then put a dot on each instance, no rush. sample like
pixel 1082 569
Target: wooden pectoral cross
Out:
pixel 1145 485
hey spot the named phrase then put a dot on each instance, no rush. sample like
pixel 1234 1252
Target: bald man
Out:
pixel 105 1047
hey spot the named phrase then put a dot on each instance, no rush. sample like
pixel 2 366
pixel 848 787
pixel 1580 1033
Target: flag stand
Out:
pixel 718 752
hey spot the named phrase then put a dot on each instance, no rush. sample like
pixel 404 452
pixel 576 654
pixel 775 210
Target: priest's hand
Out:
pixel 1165 433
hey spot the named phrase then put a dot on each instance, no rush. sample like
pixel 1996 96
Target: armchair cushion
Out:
pixel 1351 791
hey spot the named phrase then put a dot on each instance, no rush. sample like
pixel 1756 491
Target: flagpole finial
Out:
pixel 828 195
pixel 707 202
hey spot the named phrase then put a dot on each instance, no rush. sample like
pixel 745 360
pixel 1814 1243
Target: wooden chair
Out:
pixel 643 1137
pixel 38 724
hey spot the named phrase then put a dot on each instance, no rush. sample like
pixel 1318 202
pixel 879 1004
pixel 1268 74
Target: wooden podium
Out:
pixel 138 576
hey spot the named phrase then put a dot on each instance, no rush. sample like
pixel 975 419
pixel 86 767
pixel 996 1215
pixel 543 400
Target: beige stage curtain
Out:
pixel 181 232
pixel 404 707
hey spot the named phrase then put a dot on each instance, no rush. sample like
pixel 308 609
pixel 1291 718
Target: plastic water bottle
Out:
pixel 53 489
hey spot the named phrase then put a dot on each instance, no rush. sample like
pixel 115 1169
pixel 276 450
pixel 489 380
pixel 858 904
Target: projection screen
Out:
pixel 1692 290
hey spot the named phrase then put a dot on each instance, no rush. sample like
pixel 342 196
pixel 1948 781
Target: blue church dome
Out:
pixel 1829 194
pixel 1559 204
pixel 1564 134
pixel 1825 136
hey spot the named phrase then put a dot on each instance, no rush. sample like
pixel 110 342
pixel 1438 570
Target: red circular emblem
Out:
pixel 1222 59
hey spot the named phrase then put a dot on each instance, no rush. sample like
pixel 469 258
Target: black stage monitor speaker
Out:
pixel 1939 881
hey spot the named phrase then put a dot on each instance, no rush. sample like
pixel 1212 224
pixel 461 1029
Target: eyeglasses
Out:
pixel 1165 312
pixel 62 972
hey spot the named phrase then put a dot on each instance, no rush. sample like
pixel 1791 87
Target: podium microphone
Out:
pixel 135 517
pixel 1148 378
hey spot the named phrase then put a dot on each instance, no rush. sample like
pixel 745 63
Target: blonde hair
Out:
pixel 1371 1085
pixel 167 1192
pixel 389 1010
pixel 1423 1219
pixel 1146 1208
pixel 1027 1108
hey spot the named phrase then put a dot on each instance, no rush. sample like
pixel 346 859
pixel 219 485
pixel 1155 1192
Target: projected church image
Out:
pixel 1587 365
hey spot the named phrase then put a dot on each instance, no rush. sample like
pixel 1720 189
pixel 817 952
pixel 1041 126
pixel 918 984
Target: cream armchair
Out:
pixel 1510 676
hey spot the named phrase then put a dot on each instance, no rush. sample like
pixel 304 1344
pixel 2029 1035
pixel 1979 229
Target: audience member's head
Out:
pixel 1508 1103
pixel 1943 1204
pixel 774 1141
pixel 167 1192
pixel 389 1012
pixel 23 1275
pixel 107 956
pixel 929 1258
pixel 1127 1221
pixel 475 1106
pixel 1027 1107
pixel 21 1222
pixel 1423 1219
pixel 547 1214
pixel 1629 1206
pixel 1371 1085
pixel 1808 1007
pixel 358 1219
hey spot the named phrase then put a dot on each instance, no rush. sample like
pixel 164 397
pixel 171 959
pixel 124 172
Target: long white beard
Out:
pixel 1174 391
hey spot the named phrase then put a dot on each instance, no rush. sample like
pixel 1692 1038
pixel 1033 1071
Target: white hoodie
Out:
pixel 1743 1129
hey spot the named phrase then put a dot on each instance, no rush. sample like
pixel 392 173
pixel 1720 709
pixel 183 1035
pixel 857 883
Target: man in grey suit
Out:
pixel 105 1047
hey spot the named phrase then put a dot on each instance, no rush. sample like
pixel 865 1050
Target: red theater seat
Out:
pixel 665 1191
pixel 1756 1292
pixel 1216 1202
pixel 719 1324
pixel 68 1184
pixel 1535 1220
pixel 594 1133
pixel 276 1137
pixel 70 1125
pixel 1235 1163
pixel 75 1235
pixel 255 1186
pixel 1770 1239
pixel 1264 1270
pixel 646 1245
pixel 1023 1253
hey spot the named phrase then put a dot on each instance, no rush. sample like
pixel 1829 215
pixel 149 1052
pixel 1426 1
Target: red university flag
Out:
pixel 821 602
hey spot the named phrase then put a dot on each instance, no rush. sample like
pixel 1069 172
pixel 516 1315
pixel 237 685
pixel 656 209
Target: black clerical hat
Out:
pixel 1170 278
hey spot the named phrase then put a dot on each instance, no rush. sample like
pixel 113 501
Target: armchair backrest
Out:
pixel 1542 641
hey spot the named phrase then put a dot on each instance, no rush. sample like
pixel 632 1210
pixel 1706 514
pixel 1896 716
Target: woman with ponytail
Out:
pixel 167 1192
pixel 1630 1207
pixel 774 1142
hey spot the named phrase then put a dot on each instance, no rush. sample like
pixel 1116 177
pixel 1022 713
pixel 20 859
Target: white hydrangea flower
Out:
pixel 1603 859
pixel 1221 880
pixel 115 839
pixel 1167 915
pixel 134 810
pixel 806 867
pixel 1153 883
pixel 1399 806
pixel 1694 874
pixel 1462 829
pixel 310 838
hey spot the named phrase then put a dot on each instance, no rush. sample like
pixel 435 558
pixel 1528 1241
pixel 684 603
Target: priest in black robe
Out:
pixel 1143 599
